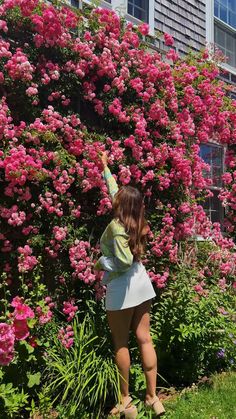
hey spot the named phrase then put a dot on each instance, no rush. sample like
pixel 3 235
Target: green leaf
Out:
pixel 34 379
pixel 28 347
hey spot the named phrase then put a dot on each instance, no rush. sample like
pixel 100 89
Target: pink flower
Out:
pixel 227 178
pixel 222 284
pixel 69 309
pixel 7 340
pixel 99 289
pixel 45 314
pixel 22 311
pixel 66 337
pixel 199 288
pixel 21 329
pixel 172 55
pixel 45 317
pixel 31 91
pixel 3 26
pixel 26 262
pixel 16 301
pixel 158 279
pixel 169 41
pixel 18 66
pixel 143 29
pixel 156 113
pixel 81 262
pixel 59 233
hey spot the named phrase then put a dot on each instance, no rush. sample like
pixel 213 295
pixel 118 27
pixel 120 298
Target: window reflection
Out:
pixel 225 10
pixel 139 9
pixel 213 155
pixel 226 41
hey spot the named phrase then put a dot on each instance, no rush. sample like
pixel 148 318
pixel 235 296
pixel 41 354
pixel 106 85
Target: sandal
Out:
pixel 156 406
pixel 126 410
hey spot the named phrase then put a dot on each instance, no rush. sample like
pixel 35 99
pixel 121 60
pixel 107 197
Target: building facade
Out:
pixel 195 24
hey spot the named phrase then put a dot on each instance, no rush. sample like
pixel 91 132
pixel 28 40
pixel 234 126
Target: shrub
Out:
pixel 194 324
pixel 82 379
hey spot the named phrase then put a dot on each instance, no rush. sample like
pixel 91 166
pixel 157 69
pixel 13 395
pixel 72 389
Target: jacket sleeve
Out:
pixel 110 182
pixel 122 259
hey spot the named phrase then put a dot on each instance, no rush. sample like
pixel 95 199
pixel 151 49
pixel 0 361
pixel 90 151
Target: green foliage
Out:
pixel 12 399
pixel 81 379
pixel 194 334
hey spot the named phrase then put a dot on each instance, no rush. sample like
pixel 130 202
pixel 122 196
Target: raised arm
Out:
pixel 109 179
pixel 110 182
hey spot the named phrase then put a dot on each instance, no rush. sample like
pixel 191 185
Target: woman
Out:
pixel 129 290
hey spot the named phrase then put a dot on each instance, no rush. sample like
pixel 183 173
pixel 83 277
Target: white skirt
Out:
pixel 129 289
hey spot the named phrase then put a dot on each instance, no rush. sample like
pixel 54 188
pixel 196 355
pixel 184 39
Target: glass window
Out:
pixel 226 42
pixel 220 37
pixel 223 13
pixel 225 10
pixel 232 5
pixel 139 9
pixel 232 19
pixel 213 208
pixel 216 8
pixel 213 155
pixel 75 3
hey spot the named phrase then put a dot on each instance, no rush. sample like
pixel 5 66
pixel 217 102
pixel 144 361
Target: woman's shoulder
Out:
pixel 116 228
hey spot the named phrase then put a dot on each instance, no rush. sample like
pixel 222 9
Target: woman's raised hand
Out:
pixel 104 158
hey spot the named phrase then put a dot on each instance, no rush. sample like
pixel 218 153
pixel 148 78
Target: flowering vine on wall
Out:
pixel 72 85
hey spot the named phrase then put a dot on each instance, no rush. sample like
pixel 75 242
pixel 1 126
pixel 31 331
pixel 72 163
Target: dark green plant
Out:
pixel 81 379
pixel 194 334
pixel 12 400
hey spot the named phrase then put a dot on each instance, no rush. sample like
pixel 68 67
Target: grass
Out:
pixel 215 401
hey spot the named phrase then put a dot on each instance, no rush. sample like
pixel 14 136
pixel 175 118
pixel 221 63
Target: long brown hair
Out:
pixel 128 207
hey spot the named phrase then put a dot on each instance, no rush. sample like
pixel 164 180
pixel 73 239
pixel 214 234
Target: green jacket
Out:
pixel 116 254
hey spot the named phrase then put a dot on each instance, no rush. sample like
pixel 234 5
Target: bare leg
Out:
pixel 120 322
pixel 141 327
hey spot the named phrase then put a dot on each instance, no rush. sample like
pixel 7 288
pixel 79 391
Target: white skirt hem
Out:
pixel 129 289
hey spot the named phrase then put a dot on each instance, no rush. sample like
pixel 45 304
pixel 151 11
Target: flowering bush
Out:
pixel 72 85
pixel 194 322
pixel 227 194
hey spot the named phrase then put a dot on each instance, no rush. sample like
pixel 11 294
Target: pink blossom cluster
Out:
pixel 69 309
pixel 44 312
pixel 26 261
pixel 49 26
pixel 7 341
pixel 66 336
pixel 60 233
pixel 169 41
pixel 14 217
pixel 100 290
pixel 158 279
pixel 81 262
pixel 19 67
pixel 16 330
pixel 199 288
